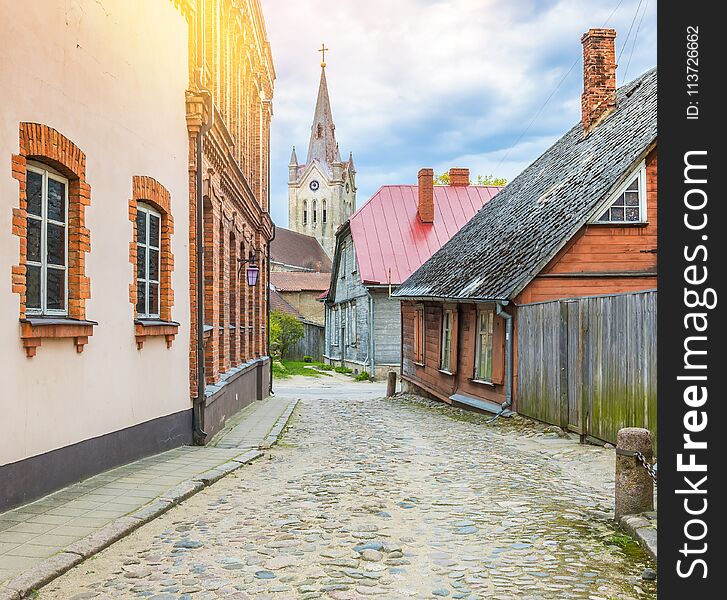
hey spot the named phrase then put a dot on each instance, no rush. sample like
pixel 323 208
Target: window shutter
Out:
pixel 455 339
pixel 498 350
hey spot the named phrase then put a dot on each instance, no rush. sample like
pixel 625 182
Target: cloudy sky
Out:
pixel 439 83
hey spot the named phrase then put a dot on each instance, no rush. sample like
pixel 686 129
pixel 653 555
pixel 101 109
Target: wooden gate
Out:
pixel 589 364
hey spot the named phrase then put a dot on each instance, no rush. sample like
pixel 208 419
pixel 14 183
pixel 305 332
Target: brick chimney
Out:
pixel 459 176
pixel 599 76
pixel 426 195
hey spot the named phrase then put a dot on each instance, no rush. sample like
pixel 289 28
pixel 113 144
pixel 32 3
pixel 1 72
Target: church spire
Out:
pixel 293 158
pixel 322 145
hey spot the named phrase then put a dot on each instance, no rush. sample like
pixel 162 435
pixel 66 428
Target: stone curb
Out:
pixel 42 573
pixel 272 438
pixel 643 528
pixel 55 566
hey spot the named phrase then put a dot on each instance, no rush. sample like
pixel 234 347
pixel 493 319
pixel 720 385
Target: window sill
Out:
pixel 483 382
pixel 619 224
pixel 144 328
pixel 34 329
pixel 445 372
pixel 418 364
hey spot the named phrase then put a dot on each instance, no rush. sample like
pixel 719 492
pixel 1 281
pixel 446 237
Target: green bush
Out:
pixel 308 359
pixel 344 370
pixel 363 376
pixel 285 331
pixel 324 367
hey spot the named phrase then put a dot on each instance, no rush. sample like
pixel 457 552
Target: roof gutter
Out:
pixel 505 301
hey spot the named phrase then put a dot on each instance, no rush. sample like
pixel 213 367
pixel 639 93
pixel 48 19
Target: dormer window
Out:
pixel 628 204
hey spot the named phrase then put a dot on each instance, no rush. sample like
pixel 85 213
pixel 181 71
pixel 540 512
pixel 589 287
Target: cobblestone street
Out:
pixel 387 498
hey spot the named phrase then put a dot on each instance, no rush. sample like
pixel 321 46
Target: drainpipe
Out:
pixel 267 301
pixel 199 434
pixel 372 348
pixel 508 357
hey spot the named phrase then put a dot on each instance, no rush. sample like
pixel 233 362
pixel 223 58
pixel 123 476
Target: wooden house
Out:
pixel 580 221
pixel 386 240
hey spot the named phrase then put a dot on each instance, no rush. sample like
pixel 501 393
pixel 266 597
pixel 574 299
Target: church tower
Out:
pixel 322 191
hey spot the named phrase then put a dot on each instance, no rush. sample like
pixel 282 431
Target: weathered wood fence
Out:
pixel 589 364
pixel 311 344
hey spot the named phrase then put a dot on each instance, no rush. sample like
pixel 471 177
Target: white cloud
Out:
pixel 424 82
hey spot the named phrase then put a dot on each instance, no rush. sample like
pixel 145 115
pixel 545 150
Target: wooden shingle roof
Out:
pixel 506 244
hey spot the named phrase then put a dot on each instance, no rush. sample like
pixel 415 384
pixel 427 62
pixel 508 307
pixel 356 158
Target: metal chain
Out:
pixel 650 469
pixel 645 463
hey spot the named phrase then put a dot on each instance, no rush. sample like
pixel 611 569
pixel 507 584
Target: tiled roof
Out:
pixel 299 250
pixel 277 302
pixel 513 237
pixel 285 281
pixel 390 238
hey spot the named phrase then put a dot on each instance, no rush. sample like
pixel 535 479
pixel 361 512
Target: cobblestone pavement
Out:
pixel 387 498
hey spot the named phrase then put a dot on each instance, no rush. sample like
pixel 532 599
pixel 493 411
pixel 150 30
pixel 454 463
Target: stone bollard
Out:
pixel 634 486
pixel 391 384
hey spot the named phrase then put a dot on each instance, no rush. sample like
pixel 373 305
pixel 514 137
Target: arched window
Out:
pixel 50 277
pixel 148 263
pixel 305 212
pixel 152 295
pixel 315 213
pixel 325 213
pixel 47 209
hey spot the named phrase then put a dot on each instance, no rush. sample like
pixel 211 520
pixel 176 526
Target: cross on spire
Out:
pixel 323 50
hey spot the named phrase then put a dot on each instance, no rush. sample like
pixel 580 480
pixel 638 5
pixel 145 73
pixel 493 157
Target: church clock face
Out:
pixel 314 185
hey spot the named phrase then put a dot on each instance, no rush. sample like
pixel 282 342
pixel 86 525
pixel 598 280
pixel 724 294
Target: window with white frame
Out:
pixel 305 212
pixel 325 212
pixel 148 268
pixel 47 249
pixel 446 350
pixel 483 353
pixel 628 204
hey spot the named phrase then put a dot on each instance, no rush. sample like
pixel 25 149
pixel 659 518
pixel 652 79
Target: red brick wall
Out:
pixel 236 67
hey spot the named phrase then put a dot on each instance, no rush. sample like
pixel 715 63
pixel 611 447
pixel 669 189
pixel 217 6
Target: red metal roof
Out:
pixel 388 235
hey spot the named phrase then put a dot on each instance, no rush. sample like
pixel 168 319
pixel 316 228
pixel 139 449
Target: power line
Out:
pixel 636 37
pixel 560 83
pixel 628 35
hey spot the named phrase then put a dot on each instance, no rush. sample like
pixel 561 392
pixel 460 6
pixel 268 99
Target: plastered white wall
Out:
pixel 110 75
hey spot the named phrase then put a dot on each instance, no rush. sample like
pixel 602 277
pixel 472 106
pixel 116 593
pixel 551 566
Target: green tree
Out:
pixel 443 179
pixel 285 331
pixel 490 180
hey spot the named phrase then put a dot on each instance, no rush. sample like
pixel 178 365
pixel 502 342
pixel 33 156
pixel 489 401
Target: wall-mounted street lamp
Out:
pixel 253 271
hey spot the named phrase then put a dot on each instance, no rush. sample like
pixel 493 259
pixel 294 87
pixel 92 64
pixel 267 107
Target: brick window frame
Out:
pixel 43 144
pixel 147 190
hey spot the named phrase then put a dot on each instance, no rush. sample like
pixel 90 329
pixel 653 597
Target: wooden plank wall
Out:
pixel 589 364
pixel 311 344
